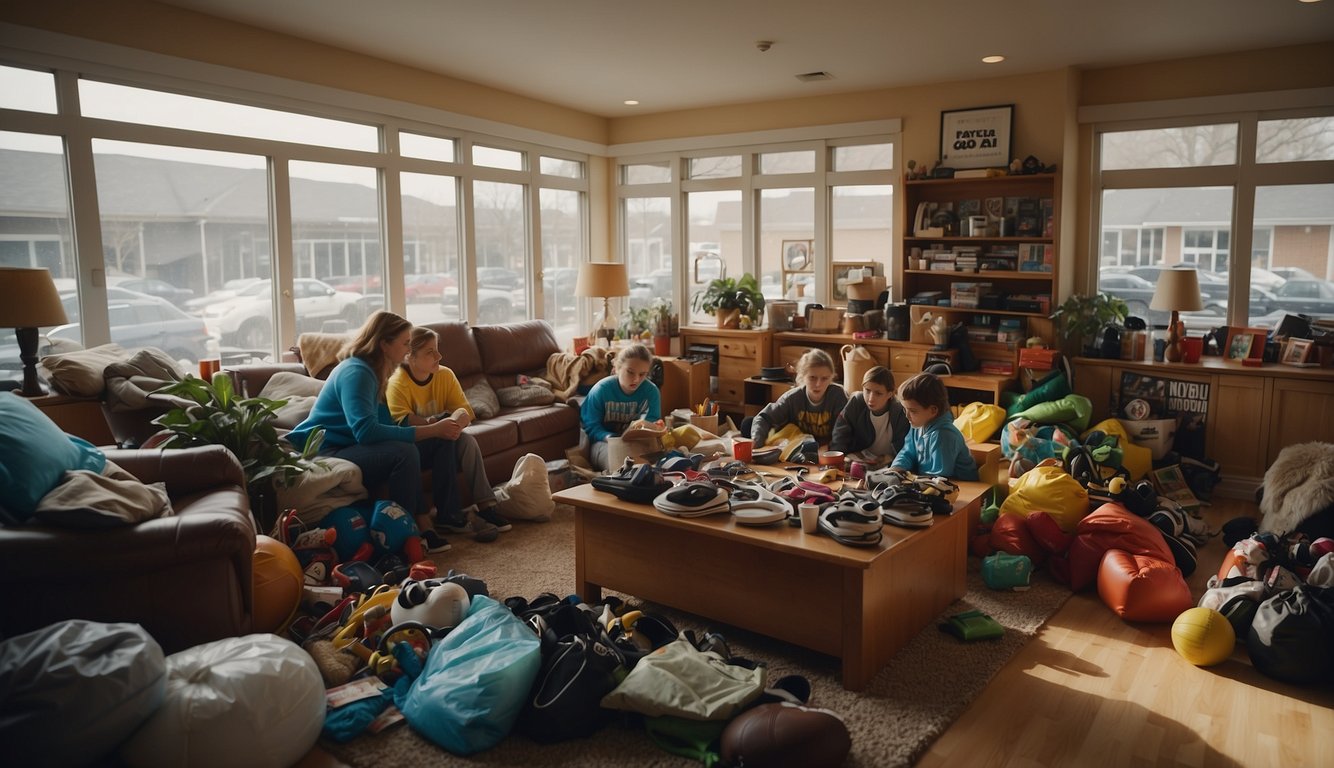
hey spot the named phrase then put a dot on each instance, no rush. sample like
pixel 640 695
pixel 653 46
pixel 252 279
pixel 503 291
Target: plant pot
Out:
pixel 728 318
pixel 264 508
pixel 662 345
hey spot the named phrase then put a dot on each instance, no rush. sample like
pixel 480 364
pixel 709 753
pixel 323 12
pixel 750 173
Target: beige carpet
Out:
pixel 906 706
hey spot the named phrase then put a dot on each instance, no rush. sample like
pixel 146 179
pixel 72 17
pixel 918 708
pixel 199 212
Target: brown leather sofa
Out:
pixel 498 353
pixel 185 578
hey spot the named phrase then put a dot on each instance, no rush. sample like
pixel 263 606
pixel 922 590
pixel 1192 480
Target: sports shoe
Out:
pixel 482 531
pixel 448 524
pixel 433 542
pixel 490 515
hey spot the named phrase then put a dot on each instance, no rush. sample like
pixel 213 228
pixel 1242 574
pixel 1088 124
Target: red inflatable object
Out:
pixel 1142 588
pixel 1048 534
pixel 1112 526
pixel 1010 534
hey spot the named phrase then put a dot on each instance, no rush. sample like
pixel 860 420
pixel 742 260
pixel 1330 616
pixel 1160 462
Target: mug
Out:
pixel 580 344
pixel 208 367
pixel 1191 347
pixel 743 449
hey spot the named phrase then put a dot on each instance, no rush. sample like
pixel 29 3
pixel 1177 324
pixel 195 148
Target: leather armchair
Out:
pixel 185 578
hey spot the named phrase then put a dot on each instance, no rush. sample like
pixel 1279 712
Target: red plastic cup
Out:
pixel 1191 347
pixel 743 449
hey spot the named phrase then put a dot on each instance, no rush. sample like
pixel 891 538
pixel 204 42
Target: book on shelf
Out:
pixel 1036 257
pixel 997 368
pixel 979 173
pixel 1048 223
pixel 969 208
pixel 926 297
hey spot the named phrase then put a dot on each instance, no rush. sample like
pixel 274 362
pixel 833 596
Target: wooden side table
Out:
pixel 78 416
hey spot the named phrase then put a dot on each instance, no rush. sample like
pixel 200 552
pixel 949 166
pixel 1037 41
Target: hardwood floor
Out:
pixel 1092 690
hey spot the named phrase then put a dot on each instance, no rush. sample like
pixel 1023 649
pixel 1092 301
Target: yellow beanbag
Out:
pixel 1137 459
pixel 979 421
pixel 1048 488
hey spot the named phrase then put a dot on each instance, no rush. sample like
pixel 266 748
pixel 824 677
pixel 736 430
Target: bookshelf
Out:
pixel 983 252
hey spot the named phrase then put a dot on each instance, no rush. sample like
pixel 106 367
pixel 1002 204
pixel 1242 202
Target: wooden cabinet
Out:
pixel 1252 412
pixel 1017 272
pixel 78 416
pixel 737 356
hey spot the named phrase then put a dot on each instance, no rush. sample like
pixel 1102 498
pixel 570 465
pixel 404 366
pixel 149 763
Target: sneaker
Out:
pixel 484 532
pixel 433 542
pixel 447 524
pixel 490 515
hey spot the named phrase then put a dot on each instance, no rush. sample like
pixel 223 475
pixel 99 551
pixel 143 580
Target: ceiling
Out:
pixel 592 55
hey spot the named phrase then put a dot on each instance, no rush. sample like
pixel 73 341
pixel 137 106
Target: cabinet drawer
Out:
pixel 906 361
pixel 735 369
pixel 737 348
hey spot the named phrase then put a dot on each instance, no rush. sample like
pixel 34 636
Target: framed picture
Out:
pixel 841 270
pixel 797 255
pixel 1243 343
pixel 1297 352
pixel 976 138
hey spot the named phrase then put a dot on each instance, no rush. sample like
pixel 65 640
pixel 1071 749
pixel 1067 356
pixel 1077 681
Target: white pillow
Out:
pixel 80 373
pixel 298 390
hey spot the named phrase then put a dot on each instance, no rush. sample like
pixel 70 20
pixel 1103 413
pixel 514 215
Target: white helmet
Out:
pixel 434 603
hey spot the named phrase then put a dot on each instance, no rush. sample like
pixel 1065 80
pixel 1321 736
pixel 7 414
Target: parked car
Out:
pixel 493 306
pixel 1212 286
pixel 498 278
pixel 1307 297
pixel 353 283
pixel 644 290
pixel 1137 293
pixel 228 290
pixel 153 287
pixel 246 320
pixel 1293 273
pixel 426 288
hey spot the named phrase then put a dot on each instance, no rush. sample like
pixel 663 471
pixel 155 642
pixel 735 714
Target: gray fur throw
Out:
pixel 1297 485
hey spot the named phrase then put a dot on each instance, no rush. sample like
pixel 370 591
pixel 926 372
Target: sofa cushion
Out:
pixel 525 394
pixel 35 454
pixel 80 373
pixel 458 350
pixel 494 435
pixel 298 390
pixel 514 348
pixel 483 399
pixel 537 422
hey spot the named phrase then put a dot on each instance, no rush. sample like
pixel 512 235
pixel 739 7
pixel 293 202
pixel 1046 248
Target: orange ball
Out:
pixel 278 581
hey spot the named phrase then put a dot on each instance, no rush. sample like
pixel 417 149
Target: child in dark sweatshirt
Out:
pixel 872 426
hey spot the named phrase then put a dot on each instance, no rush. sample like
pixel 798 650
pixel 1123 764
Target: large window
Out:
pixel 1192 196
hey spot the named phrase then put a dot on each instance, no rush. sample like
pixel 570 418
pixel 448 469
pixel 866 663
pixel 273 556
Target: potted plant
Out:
pixel 215 415
pixel 663 326
pixel 635 324
pixel 1081 318
pixel 728 299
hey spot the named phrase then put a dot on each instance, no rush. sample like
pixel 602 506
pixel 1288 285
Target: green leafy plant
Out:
pixel 1080 318
pixel 661 313
pixel 634 322
pixel 243 425
pixel 725 294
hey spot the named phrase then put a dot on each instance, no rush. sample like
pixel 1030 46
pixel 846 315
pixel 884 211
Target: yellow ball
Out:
pixel 278 582
pixel 1203 636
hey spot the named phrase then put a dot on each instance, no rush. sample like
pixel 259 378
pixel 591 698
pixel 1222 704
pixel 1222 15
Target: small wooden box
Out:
pixel 825 321
pixel 1038 359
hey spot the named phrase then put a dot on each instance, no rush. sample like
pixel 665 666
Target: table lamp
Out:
pixel 28 301
pixel 602 279
pixel 1178 290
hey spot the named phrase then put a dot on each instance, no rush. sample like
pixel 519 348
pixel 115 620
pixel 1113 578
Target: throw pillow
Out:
pixel 482 399
pixel 113 498
pixel 80 373
pixel 525 394
pixel 298 390
pixel 35 454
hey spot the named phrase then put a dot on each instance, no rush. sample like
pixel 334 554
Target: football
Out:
pixel 786 736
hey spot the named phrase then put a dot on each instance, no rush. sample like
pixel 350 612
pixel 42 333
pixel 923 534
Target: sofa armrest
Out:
pixel 184 470
pixel 250 379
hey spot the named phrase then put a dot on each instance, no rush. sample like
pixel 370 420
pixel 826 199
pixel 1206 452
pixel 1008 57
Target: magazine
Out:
pixel 1172 484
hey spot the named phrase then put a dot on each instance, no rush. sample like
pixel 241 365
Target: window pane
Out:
pixel 1155 229
pixel 715 240
pixel 788 162
pixel 787 238
pixel 27 90
pixel 172 110
pixel 35 228
pixel 336 247
pixel 427 147
pixel 430 246
pixel 502 252
pixel 188 227
pixel 562 250
pixel 1189 147
pixel 1288 141
pixel 492 157
pixel 867 157
pixel 648 248
pixel 646 173
pixel 715 167
pixel 863 220
pixel 559 166
pixel 1293 241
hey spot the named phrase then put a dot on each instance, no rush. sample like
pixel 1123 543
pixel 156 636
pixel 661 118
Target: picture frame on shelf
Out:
pixel 840 274
pixel 976 138
pixel 797 255
pixel 1245 343
pixel 1297 352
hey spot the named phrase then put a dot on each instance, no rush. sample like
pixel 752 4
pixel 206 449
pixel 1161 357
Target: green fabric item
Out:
pixel 1051 388
pixel 695 739
pixel 1073 410
pixel 972 625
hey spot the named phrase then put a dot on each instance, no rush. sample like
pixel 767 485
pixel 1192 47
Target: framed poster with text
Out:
pixel 976 138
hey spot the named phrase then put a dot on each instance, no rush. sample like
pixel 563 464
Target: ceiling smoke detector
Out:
pixel 763 45
pixel 811 77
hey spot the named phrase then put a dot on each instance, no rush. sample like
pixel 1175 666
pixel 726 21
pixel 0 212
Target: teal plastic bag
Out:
pixel 475 681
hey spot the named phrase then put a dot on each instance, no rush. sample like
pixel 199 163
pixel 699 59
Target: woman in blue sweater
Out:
pixel 357 427
pixel 618 400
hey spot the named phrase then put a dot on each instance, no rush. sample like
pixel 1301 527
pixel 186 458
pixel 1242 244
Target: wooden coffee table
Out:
pixel 860 604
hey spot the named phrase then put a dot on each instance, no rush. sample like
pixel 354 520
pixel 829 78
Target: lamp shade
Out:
pixel 601 279
pixel 28 299
pixel 1179 290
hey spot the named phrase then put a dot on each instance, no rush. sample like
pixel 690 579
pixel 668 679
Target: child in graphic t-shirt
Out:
pixel 934 445
pixel 618 400
pixel 872 426
pixel 813 406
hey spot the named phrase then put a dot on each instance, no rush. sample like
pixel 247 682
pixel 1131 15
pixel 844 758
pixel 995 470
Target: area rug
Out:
pixel 904 708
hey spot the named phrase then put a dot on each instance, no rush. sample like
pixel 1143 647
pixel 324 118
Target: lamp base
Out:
pixel 1172 353
pixel 32 386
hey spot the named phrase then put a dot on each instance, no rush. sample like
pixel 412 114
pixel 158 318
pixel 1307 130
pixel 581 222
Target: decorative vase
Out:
pixel 662 345
pixel 728 318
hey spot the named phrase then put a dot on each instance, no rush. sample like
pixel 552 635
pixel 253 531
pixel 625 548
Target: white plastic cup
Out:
pixel 810 517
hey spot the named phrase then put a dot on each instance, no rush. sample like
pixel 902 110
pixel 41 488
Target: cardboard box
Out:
pixel 869 289
pixel 684 383
pixel 1037 358
pixel 1155 434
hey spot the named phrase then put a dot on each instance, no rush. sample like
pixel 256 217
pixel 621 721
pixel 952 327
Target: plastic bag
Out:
pixel 1051 490
pixel 475 681
pixel 527 494
pixel 680 680
pixel 979 421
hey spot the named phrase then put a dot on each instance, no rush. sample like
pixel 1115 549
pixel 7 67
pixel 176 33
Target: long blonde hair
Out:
pixel 380 326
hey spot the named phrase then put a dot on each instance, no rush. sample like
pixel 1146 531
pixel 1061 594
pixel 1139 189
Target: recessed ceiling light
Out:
pixel 1309 1
pixel 631 102
pixel 992 59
